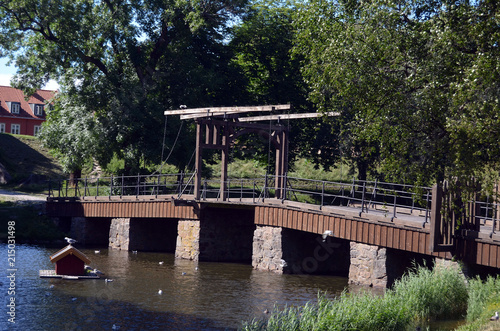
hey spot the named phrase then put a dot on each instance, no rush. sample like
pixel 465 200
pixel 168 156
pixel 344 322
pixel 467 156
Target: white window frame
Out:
pixel 15 107
pixel 38 111
pixel 15 128
pixel 2 127
pixel 37 129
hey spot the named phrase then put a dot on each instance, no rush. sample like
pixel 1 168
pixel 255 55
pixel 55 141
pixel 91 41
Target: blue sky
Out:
pixel 6 72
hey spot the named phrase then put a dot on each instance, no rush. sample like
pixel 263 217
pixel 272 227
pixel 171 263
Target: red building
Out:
pixel 18 116
pixel 70 261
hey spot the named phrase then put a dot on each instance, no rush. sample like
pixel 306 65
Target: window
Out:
pixel 15 128
pixel 36 130
pixel 14 107
pixel 2 127
pixel 38 110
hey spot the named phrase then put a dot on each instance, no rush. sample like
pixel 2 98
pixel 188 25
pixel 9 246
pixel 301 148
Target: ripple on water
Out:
pixel 207 296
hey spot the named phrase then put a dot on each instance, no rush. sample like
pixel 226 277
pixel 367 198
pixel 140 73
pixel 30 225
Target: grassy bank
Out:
pixel 24 156
pixel 419 297
pixel 31 225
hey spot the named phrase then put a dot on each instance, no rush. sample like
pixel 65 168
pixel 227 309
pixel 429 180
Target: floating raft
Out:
pixel 52 274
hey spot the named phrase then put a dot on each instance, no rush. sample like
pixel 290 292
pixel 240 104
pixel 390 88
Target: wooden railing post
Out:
pixel 436 204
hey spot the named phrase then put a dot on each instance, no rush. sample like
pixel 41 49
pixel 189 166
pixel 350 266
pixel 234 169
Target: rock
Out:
pixel 5 177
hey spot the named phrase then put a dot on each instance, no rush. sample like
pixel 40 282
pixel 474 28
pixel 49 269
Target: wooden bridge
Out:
pixel 400 217
pixel 278 221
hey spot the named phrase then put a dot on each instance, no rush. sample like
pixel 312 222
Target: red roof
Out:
pixel 10 94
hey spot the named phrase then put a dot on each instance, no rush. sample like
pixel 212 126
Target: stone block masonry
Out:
pixel 368 265
pixel 188 240
pixel 119 234
pixel 267 249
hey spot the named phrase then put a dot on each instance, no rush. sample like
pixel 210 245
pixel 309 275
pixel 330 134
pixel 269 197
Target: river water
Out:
pixel 195 296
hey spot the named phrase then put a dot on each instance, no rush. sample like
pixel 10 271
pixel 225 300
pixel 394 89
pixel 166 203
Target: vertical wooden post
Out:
pixel 281 164
pixel 224 161
pixel 198 162
pixel 436 203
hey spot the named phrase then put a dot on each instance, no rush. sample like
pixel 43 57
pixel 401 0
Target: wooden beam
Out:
pixel 285 117
pixel 208 114
pixel 222 110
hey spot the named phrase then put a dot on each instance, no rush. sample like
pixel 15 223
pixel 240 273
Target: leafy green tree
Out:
pixel 122 63
pixel 261 44
pixel 415 81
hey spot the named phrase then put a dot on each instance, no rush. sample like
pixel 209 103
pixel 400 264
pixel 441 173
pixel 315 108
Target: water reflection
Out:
pixel 196 296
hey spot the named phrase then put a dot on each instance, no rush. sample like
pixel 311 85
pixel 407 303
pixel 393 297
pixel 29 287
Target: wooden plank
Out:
pixel 293 219
pixel 497 261
pixel 334 223
pixel 485 259
pixel 321 224
pixel 395 238
pixel 244 109
pixel 479 253
pixel 376 234
pixel 285 116
pixel 415 242
pixel 366 233
pixel 383 236
pixel 265 219
pixel 493 256
pixel 299 221
pixel 315 223
pixel 371 233
pixel 309 222
pixel 402 239
pixel 359 232
pixel 409 241
pixel 354 231
pixel 346 228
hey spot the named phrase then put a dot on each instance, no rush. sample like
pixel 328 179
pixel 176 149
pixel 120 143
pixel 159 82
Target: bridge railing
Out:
pixel 158 184
pixel 389 199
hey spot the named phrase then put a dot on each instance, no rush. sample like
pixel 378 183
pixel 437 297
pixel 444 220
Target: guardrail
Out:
pixel 390 199
pixel 160 184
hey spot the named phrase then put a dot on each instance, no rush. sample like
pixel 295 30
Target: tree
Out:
pixel 415 82
pixel 261 45
pixel 122 63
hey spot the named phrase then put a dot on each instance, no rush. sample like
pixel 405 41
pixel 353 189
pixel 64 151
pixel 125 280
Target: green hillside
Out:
pixel 23 156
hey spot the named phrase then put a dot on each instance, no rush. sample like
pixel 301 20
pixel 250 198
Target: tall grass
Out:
pixel 419 296
pixel 433 294
pixel 483 296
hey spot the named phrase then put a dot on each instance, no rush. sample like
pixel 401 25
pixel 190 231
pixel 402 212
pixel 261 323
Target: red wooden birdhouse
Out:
pixel 70 261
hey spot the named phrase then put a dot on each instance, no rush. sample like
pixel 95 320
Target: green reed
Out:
pixel 419 296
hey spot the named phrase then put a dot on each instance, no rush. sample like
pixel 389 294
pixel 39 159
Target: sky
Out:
pixel 6 72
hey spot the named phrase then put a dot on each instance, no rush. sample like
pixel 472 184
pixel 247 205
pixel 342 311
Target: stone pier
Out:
pixel 379 267
pixel 188 240
pixel 119 234
pixel 283 250
pixel 143 234
pixel 223 235
pixel 368 265
pixel 268 249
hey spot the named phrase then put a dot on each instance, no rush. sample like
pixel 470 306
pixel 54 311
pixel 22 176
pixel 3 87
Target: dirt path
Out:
pixel 20 196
